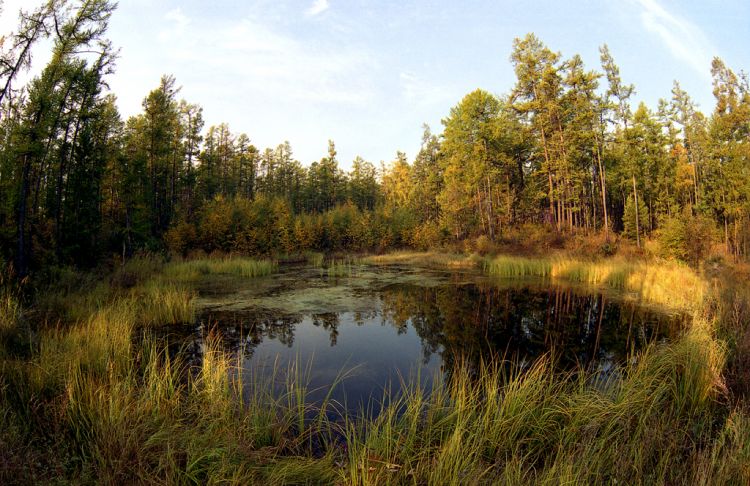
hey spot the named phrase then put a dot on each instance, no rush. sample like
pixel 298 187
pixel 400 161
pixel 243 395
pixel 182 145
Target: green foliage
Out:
pixel 629 218
pixel 189 270
pixel 687 237
pixel 428 235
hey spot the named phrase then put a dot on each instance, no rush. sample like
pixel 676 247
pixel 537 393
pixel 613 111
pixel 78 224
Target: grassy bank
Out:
pixel 426 259
pixel 82 402
pixel 666 283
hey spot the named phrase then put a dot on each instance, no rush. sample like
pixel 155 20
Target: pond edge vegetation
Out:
pixel 112 417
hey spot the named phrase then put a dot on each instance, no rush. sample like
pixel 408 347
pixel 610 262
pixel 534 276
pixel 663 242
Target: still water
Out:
pixel 381 324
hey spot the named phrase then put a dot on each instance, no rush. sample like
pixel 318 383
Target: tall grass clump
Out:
pixel 667 283
pixel 345 267
pixel 513 267
pixel 160 302
pixel 10 305
pixel 314 259
pixel 510 425
pixel 424 258
pixel 241 267
pixel 137 269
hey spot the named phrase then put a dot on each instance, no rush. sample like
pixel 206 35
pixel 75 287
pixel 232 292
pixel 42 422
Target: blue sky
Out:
pixel 368 74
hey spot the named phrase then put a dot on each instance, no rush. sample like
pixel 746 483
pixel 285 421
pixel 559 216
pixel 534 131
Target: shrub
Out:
pixel 483 245
pixel 180 238
pixel 428 235
pixel 686 237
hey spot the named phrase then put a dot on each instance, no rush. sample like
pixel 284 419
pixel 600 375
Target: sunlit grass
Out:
pixel 432 258
pixel 159 302
pixel 123 410
pixel 494 426
pixel 138 415
pixel 667 283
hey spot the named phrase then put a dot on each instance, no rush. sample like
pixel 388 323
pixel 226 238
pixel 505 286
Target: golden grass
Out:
pixel 10 307
pixel 430 258
pixel 117 412
pixel 666 283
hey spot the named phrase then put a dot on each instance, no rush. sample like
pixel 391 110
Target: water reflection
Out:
pixel 472 322
pixel 406 325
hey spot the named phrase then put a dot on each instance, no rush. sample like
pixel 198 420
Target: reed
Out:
pixel 429 259
pixel 345 267
pixel 666 283
pixel 190 270
pixel 314 259
pixel 10 306
pixel 160 302
pixel 531 426
pixel 119 410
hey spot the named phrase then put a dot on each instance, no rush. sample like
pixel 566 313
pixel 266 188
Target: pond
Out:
pixel 384 324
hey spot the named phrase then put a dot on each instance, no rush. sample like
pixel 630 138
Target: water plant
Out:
pixel 667 283
pixel 314 259
pixel 189 270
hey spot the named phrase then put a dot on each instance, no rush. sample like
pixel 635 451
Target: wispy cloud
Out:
pixel 177 24
pixel 683 39
pixel 318 7
pixel 254 55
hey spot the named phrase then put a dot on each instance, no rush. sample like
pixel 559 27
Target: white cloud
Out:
pixel 318 7
pixel 683 39
pixel 253 55
pixel 177 25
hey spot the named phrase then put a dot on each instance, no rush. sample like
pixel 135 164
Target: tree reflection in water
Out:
pixel 467 322
pixel 474 322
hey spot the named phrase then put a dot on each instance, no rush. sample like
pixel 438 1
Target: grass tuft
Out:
pixel 665 283
pixel 191 270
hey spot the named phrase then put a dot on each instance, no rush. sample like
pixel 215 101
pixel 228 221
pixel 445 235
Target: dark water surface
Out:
pixel 384 322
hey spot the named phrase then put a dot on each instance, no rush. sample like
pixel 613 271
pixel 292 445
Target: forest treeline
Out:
pixel 566 148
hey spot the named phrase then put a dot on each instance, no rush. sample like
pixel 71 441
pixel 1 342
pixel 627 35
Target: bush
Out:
pixel 608 249
pixel 687 237
pixel 483 245
pixel 180 238
pixel 428 235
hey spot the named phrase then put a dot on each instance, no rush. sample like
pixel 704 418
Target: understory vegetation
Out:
pixel 83 398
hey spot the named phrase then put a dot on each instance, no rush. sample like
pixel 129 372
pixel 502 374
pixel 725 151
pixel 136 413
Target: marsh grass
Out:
pixel 498 426
pixel 666 283
pixel 345 267
pixel 140 420
pixel 158 302
pixel 429 259
pixel 92 405
pixel 191 270
pixel 314 259
pixel 10 307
